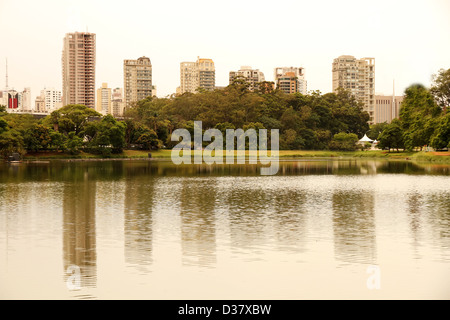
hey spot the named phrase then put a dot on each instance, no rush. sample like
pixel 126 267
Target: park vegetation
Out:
pixel 316 121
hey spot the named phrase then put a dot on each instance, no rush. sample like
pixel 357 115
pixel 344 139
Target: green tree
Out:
pixel 37 138
pixel 344 142
pixel 11 141
pixel 375 130
pixel 441 88
pixel 74 143
pixel 391 137
pixel 441 138
pixel 418 114
pixel 105 134
pixel 72 117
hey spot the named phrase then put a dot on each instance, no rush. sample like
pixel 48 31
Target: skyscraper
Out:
pixel 199 74
pixel 137 80
pixel 290 79
pixel 357 76
pixel 78 68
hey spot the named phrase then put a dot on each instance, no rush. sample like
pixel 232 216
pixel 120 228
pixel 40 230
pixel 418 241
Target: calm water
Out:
pixel 330 229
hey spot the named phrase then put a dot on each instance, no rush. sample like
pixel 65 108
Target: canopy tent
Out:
pixel 365 139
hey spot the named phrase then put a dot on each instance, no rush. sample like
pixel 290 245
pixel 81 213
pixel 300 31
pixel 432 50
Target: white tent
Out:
pixel 365 139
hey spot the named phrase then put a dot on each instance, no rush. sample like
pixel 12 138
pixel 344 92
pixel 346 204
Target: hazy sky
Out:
pixel 410 40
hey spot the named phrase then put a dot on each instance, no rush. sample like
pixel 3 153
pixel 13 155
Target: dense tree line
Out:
pixel 314 121
pixel 424 120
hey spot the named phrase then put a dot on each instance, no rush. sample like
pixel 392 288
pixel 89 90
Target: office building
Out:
pixel 358 77
pixel 387 108
pixel 78 68
pixel 137 80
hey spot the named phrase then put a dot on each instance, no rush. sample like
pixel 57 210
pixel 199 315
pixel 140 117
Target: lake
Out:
pixel 141 229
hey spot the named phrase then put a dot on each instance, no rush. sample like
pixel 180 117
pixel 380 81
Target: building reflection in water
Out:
pixel 79 238
pixel 138 215
pixel 354 226
pixel 415 208
pixel 198 226
pixel 289 220
pixel 438 217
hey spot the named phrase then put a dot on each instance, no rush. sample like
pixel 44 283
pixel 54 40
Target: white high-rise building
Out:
pixel 251 76
pixel 52 99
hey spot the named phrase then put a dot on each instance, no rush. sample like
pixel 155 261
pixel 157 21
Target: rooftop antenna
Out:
pixel 6 74
pixel 394 107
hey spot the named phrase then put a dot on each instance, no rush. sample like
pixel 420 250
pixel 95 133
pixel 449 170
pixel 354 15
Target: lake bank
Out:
pixel 438 157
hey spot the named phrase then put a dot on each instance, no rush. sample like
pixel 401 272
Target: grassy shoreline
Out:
pixel 438 157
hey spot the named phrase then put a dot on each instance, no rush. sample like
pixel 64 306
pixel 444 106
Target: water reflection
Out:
pixel 79 237
pixel 439 218
pixel 138 222
pixel 198 229
pixel 354 226
pixel 289 219
pixel 221 217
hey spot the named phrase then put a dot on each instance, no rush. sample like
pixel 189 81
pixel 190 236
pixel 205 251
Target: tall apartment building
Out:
pixel 26 99
pixel 199 74
pixel 290 79
pixel 104 100
pixel 117 103
pixel 52 99
pixel 78 68
pixel 137 79
pixel 387 108
pixel 251 76
pixel 357 76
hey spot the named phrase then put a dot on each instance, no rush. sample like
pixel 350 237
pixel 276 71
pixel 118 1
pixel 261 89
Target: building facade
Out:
pixel 290 80
pixel 199 74
pixel 39 104
pixel 52 98
pixel 358 77
pixel 387 108
pixel 252 76
pixel 78 68
pixel 137 80
pixel 117 103
pixel 104 100
pixel 26 100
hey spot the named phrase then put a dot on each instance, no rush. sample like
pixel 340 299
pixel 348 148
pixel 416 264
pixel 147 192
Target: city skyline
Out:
pixel 405 51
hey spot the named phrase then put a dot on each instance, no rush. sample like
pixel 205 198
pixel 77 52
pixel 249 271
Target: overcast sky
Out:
pixel 410 40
